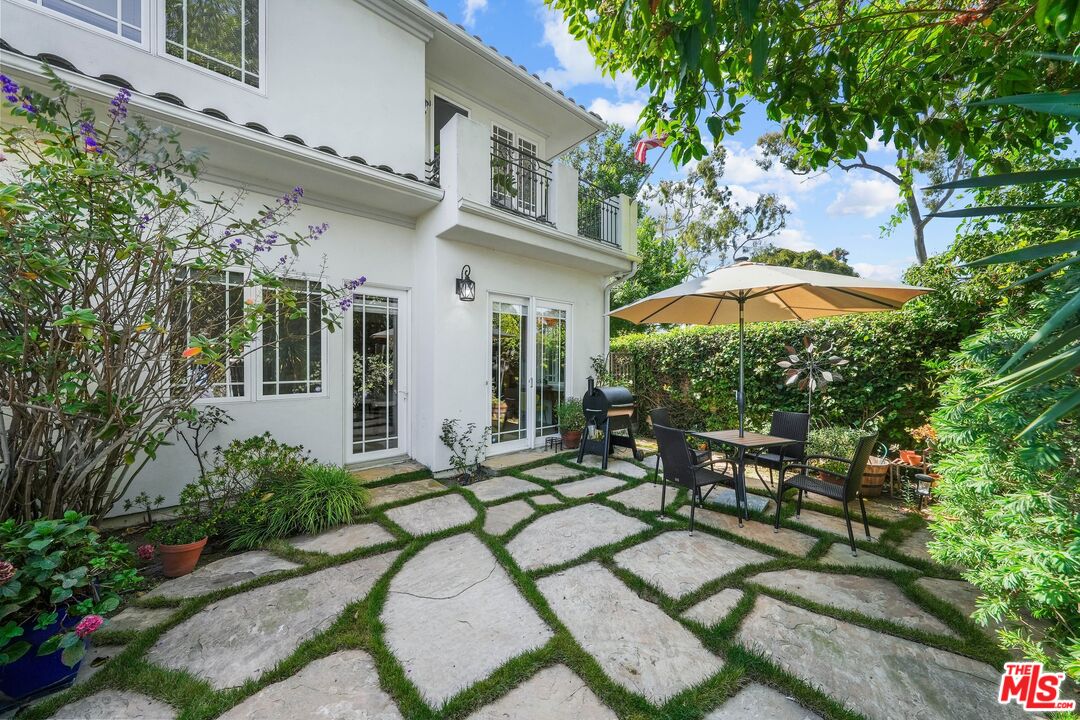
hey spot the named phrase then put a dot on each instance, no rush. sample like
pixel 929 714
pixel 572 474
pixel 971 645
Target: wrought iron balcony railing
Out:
pixel 520 181
pixel 598 215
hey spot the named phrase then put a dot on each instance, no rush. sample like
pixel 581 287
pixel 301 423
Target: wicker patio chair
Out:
pixel 661 416
pixel 843 487
pixel 680 468
pixel 794 425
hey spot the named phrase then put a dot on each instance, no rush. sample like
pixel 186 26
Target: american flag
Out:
pixel 647 144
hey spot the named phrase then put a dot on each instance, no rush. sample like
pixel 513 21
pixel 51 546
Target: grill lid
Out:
pixel 602 399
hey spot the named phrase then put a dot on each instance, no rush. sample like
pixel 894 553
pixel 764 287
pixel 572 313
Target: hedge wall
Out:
pixel 695 370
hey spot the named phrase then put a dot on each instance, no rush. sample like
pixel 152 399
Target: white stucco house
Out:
pixel 401 128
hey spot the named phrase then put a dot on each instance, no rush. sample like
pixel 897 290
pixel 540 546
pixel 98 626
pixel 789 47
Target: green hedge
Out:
pixel 695 370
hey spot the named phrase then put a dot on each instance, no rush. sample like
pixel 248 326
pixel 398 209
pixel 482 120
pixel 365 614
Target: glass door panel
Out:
pixel 550 367
pixel 376 410
pixel 509 370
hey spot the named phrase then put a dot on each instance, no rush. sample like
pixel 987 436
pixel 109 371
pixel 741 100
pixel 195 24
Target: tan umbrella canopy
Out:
pixel 755 292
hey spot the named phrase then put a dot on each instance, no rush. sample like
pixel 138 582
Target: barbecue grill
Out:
pixel 608 411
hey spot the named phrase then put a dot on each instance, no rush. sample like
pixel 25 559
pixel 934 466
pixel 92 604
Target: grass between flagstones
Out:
pixel 359 624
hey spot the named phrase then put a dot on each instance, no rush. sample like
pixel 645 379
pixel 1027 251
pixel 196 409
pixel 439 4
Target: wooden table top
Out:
pixel 748 440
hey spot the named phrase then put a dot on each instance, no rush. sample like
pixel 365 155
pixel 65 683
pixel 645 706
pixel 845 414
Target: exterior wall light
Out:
pixel 466 288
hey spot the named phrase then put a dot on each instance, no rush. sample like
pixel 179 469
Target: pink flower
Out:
pixel 7 571
pixel 145 552
pixel 88 625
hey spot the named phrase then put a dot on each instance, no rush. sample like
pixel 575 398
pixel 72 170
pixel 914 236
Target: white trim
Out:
pixel 250 293
pixel 161 50
pixel 324 351
pixel 146 30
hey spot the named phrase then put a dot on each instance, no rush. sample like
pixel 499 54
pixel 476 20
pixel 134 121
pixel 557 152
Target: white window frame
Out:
pixel 145 13
pixel 163 51
pixel 324 351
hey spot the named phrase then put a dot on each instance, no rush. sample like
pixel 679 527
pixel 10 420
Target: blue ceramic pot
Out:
pixel 34 674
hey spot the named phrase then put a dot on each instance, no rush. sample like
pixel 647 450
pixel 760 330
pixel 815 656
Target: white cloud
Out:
pixel 867 198
pixel 576 64
pixel 741 168
pixel 792 239
pixel 472 7
pixel 623 113
pixel 883 271
pixel 743 195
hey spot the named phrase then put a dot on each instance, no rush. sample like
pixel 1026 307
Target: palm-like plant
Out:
pixel 811 369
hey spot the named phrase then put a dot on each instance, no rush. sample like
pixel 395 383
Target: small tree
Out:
pixel 113 315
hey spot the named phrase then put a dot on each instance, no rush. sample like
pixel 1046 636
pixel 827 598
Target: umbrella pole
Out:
pixel 742 342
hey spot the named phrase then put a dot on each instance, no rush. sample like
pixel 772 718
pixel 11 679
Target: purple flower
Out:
pixel 315 231
pixel 345 303
pixel 353 284
pixel 236 243
pixel 283 259
pixel 89 134
pixel 10 89
pixel 119 105
pixel 28 107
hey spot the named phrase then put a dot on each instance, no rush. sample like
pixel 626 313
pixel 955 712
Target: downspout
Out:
pixel 607 301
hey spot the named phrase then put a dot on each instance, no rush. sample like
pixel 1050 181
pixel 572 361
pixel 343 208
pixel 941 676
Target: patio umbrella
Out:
pixel 756 292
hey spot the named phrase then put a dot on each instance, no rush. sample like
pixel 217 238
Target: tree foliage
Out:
pixel 607 162
pixel 661 266
pixel 834 261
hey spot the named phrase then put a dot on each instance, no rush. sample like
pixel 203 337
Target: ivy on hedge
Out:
pixel 694 371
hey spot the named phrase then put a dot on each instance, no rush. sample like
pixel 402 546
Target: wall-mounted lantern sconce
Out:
pixel 466 288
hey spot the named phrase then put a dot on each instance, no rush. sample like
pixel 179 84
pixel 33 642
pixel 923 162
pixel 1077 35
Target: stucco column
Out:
pixel 564 197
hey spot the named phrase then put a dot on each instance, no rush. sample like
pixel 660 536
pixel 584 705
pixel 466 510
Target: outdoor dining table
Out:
pixel 742 442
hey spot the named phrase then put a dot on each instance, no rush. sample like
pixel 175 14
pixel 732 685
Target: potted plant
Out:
pixel 58 578
pixel 571 422
pixel 180 545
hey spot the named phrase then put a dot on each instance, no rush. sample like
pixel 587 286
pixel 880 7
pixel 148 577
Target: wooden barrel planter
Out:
pixel 874 477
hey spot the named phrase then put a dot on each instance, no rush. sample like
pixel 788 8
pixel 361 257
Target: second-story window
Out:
pixel 219 35
pixel 116 17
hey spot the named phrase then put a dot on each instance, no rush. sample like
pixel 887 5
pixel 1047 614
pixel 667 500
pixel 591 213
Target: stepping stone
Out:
pixel 342 685
pixel 726 497
pixel 346 538
pixel 883 509
pixel 835 525
pixel 619 467
pixel 759 701
pixel 914 545
pixel 840 554
pixel 114 704
pixel 678 563
pixel 589 486
pixel 712 610
pixel 224 573
pixel 881 676
pixel 962 595
pixel 643 497
pixel 553 693
pixel 497 488
pixel 552 473
pixel 789 541
pixel 95 659
pixel 241 637
pixel 873 597
pixel 434 515
pixel 546 499
pixel 386 494
pixel 501 518
pixel 561 536
pixel 636 643
pixel 453 616
pixel 137 619
pixel 384 472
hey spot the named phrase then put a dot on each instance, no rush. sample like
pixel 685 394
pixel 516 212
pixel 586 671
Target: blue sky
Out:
pixel 835 209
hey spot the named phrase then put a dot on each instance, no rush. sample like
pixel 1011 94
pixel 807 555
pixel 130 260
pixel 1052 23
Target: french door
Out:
pixel 529 369
pixel 376 399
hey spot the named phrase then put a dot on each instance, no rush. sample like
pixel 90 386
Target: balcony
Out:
pixel 501 195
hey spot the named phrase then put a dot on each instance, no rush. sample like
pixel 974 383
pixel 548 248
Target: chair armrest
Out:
pixel 805 466
pixel 833 458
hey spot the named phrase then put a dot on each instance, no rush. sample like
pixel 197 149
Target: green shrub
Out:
pixel 571 415
pixel 321 497
pixel 835 440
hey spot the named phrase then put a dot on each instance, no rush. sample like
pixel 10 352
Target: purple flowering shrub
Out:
pixel 112 293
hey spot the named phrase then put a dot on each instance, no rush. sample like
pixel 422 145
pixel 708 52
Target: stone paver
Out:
pixel 789 541
pixel 589 486
pixel 636 643
pixel 500 518
pixel 554 693
pixel 342 685
pixel 759 701
pixel 840 554
pixel 836 525
pixel 137 619
pixel 726 497
pixel 620 467
pixel 504 486
pixel 346 538
pixel 244 635
pixel 513 459
pixel 546 499
pixel 434 515
pixel 644 497
pixel 880 676
pixel 382 472
pixel 114 705
pixel 552 473
pixel 386 494
pixel 712 610
pixel 881 508
pixel 224 573
pixel 96 658
pixel 914 545
pixel 564 535
pixel 961 594
pixel 874 597
pixel 453 616
pixel 679 563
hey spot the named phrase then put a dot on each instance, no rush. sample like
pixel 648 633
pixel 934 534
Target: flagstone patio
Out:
pixel 484 603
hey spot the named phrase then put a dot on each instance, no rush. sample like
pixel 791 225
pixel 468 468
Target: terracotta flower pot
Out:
pixel 177 560
pixel 571 439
